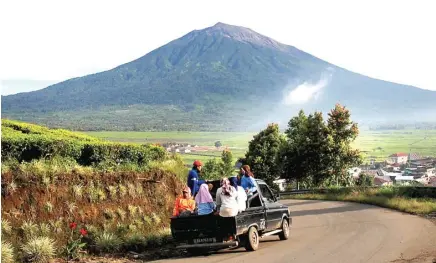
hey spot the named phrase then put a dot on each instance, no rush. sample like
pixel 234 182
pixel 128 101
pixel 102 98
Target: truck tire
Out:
pixel 284 235
pixel 252 242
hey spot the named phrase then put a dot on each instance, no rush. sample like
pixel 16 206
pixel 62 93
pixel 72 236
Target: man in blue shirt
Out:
pixel 194 181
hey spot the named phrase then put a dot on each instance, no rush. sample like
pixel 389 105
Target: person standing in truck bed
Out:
pixel 194 181
pixel 247 180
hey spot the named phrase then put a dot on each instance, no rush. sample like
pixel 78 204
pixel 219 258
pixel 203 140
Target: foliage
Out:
pixel 320 152
pixel 27 142
pixel 7 252
pixel 213 170
pixel 38 250
pixel 344 132
pixel 218 144
pixel 263 154
pixel 75 243
pixel 305 155
pixel 107 242
pixel 226 165
pixel 365 180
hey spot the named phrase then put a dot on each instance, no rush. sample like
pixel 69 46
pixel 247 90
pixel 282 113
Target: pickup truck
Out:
pixel 264 216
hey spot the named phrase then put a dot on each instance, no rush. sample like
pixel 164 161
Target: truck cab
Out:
pixel 263 216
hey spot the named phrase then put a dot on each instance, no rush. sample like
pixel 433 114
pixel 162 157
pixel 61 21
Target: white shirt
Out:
pixel 242 199
pixel 227 202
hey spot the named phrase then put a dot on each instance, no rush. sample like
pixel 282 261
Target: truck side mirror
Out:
pixel 277 196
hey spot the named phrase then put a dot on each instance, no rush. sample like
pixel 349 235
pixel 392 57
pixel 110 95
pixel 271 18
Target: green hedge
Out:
pixel 27 142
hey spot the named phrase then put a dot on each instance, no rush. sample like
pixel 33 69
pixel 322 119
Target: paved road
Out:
pixel 340 232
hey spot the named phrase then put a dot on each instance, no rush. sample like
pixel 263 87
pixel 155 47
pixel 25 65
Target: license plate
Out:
pixel 204 240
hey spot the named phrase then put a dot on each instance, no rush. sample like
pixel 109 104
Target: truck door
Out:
pixel 273 209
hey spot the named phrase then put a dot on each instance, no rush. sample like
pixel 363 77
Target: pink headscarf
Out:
pixel 203 195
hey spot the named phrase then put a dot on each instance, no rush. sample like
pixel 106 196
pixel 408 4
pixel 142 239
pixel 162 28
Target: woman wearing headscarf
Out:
pixel 184 205
pixel 242 196
pixel 226 199
pixel 247 180
pixel 204 201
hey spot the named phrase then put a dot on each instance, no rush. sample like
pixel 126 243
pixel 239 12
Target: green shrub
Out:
pixel 38 250
pixel 27 142
pixel 6 227
pixel 107 242
pixel 7 252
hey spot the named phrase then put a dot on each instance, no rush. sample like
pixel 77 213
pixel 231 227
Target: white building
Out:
pixel 281 183
pixel 354 172
pixel 400 158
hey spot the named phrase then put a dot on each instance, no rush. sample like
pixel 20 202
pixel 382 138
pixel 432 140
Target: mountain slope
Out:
pixel 221 77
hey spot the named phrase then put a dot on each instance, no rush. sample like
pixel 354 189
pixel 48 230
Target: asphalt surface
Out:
pixel 324 231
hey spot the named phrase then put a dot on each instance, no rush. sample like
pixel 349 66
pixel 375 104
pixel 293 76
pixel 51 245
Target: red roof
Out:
pixel 399 155
pixel 378 180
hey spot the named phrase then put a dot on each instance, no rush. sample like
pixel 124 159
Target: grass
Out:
pixel 374 144
pixel 382 197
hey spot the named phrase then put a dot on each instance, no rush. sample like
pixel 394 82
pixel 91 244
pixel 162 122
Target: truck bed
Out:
pixel 193 229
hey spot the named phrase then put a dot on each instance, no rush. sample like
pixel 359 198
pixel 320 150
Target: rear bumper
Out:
pixel 210 245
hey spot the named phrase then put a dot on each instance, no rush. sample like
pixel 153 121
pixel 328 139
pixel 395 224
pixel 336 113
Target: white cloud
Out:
pixel 306 91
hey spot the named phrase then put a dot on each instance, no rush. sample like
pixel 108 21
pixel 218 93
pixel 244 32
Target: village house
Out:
pixel 382 181
pixel 185 150
pixel 354 172
pixel 400 158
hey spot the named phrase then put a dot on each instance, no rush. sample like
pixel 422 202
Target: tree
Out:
pixel 210 170
pixel 317 152
pixel 263 153
pixel 343 132
pixel 226 165
pixel 218 144
pixel 305 155
pixel 213 170
pixel 365 180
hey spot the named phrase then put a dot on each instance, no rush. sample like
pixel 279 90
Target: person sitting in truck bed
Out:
pixel 184 205
pixel 226 199
pixel 247 180
pixel 204 201
pixel 242 196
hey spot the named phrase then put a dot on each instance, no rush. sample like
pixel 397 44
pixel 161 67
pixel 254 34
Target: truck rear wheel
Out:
pixel 252 242
pixel 284 235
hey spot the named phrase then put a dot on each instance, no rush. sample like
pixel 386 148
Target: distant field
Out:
pixel 379 144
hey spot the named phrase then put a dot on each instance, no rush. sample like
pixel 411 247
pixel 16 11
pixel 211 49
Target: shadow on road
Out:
pixel 339 209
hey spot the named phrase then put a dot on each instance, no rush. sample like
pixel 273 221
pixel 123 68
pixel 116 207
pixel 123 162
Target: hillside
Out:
pixel 220 78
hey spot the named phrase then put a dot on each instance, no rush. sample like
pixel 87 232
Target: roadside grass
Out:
pixel 378 197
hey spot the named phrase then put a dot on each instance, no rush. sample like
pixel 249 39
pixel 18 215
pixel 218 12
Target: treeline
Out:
pixel 312 151
pixel 25 142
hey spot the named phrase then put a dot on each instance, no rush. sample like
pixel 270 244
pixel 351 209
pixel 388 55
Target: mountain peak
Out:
pixel 243 34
